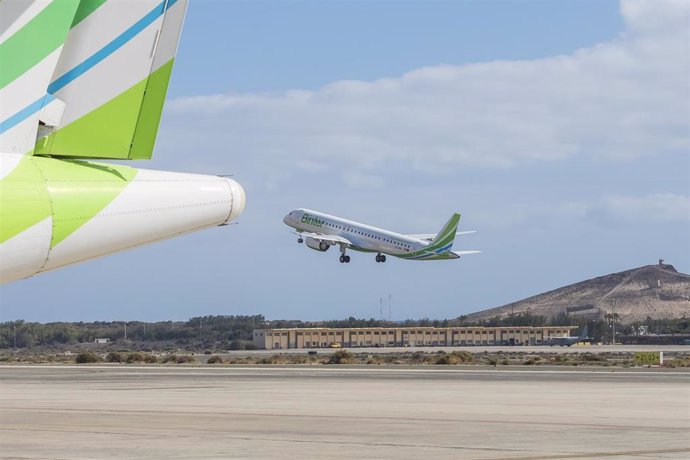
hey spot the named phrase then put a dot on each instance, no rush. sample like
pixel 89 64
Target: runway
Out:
pixel 342 412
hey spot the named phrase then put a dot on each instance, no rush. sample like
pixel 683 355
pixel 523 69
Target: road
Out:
pixel 342 412
pixel 482 349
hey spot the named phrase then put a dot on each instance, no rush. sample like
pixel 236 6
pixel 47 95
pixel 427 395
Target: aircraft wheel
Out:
pixel 347 259
pixel 342 259
pixel 383 258
pixel 300 240
pixel 378 258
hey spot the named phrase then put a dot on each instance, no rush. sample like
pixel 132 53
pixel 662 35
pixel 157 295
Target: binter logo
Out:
pixel 311 220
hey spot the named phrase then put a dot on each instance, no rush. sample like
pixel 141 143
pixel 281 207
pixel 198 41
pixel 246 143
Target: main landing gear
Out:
pixel 300 240
pixel 344 258
pixel 380 258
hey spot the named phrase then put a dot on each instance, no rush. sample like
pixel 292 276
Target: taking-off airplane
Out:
pixel 86 79
pixel 320 231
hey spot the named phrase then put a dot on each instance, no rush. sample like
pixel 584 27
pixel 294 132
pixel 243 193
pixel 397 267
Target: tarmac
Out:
pixel 119 411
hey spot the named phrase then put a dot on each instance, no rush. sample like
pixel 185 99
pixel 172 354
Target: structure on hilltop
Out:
pixel 656 291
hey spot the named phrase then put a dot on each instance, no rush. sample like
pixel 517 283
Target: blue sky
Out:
pixel 558 129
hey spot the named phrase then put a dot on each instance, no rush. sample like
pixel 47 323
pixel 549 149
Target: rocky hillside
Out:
pixel 653 290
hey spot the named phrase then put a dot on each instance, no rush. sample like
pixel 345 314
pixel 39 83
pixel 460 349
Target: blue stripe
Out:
pixel 85 66
pixel 436 253
pixel 444 248
pixel 26 112
pixel 110 48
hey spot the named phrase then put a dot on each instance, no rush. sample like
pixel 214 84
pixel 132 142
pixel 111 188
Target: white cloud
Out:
pixel 609 210
pixel 656 208
pixel 617 100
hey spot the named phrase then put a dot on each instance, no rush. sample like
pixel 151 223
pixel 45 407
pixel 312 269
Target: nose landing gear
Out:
pixel 380 258
pixel 300 240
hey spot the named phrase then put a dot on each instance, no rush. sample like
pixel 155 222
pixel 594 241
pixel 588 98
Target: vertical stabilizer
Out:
pixel 445 238
pixel 112 77
pixel 85 78
pixel 32 36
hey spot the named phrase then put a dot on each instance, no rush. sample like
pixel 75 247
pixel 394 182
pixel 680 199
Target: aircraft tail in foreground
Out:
pixel 87 79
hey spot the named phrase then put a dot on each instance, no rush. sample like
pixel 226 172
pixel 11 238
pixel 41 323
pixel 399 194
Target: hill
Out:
pixel 656 291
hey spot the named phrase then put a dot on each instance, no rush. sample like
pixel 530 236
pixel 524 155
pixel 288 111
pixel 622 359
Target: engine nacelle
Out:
pixel 316 245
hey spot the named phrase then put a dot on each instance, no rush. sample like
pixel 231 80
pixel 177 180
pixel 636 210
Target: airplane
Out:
pixel 569 341
pixel 320 231
pixel 85 80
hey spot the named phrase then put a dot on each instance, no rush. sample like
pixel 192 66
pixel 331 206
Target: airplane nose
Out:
pixel 286 219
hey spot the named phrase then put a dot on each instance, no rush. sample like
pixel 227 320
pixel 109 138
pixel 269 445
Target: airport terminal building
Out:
pixel 323 337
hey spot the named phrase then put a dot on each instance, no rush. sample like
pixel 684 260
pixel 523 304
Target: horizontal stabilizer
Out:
pixel 431 236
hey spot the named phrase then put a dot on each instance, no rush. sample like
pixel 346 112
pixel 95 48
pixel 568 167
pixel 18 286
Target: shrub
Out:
pixel 183 359
pixel 446 359
pixel 341 357
pixel 250 346
pixel 115 357
pixel 236 345
pixel 87 357
pixel 677 362
pixel 150 358
pixel 135 357
pixel 215 360
pixel 464 356
pixel 170 359
pixel 591 357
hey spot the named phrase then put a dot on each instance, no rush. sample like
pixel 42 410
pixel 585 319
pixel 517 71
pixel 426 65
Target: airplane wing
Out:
pixel 328 239
pixel 431 236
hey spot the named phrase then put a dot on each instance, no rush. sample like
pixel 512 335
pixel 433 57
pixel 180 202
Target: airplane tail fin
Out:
pixel 444 239
pixel 87 78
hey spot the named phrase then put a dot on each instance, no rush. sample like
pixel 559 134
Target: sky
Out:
pixel 560 131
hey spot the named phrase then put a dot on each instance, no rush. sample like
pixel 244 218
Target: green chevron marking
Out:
pixel 86 7
pixel 24 199
pixel 72 191
pixel 150 115
pixel 37 39
pixel 79 190
pixel 123 128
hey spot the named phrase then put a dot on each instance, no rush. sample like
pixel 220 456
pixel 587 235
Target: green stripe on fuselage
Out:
pixel 24 198
pixel 72 191
pixel 79 190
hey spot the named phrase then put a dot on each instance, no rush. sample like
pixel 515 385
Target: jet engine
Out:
pixel 316 244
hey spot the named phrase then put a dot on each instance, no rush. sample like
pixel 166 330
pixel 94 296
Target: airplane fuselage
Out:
pixel 362 237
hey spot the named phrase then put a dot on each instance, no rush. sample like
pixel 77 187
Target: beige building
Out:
pixel 323 337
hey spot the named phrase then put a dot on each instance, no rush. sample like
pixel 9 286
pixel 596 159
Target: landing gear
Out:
pixel 344 258
pixel 380 258
pixel 300 240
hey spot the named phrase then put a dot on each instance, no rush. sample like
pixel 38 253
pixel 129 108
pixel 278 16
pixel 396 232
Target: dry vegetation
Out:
pixel 340 357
